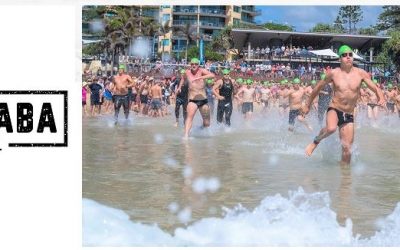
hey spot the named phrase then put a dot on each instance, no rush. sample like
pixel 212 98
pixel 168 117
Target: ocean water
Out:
pixel 247 185
pixel 297 219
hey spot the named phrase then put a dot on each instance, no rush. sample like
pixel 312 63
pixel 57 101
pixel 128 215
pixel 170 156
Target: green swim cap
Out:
pixel 323 76
pixel 121 66
pixel 344 49
pixel 209 80
pixel 239 80
pixel 296 81
pixel 390 86
pixel 225 71
pixel 195 60
pixel 249 81
pixel 182 71
pixel 313 82
pixel 265 82
pixel 375 81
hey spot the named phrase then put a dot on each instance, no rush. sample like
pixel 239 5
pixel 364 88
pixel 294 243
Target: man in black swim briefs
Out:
pixel 197 94
pixel 346 82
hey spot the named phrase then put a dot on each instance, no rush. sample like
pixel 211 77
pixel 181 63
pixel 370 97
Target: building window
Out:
pixel 236 9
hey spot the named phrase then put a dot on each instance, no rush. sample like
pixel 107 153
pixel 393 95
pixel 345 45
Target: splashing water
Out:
pixel 302 219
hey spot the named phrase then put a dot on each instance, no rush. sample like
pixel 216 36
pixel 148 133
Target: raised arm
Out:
pixel 205 74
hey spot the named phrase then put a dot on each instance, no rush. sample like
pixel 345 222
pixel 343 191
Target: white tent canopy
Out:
pixel 329 52
pixel 324 52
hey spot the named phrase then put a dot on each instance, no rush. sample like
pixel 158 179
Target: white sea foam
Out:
pixel 301 219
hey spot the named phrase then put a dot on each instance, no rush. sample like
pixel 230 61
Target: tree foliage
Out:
pixel 389 19
pixel 247 26
pixel 193 51
pixel 223 40
pixel 278 26
pixel 92 49
pixel 323 28
pixel 371 31
pixel 209 53
pixel 391 50
pixel 393 47
pixel 338 25
pixel 350 15
pixel 189 32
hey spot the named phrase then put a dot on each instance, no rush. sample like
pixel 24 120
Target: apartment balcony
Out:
pixel 185 11
pixel 213 12
pixel 178 48
pixel 211 25
pixel 251 11
pixel 249 21
pixel 183 22
pixel 177 37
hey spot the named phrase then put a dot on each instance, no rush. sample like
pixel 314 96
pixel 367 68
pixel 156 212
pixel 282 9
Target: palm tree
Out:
pixel 115 36
pixel 189 32
pixel 150 29
pixel 132 25
pixel 224 40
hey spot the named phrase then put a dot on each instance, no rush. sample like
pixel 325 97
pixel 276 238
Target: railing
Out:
pixel 248 8
pixel 252 11
pixel 178 48
pixel 212 11
pixel 184 22
pixel 248 20
pixel 186 10
pixel 212 24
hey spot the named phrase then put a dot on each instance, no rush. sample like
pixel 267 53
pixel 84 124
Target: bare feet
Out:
pixel 310 148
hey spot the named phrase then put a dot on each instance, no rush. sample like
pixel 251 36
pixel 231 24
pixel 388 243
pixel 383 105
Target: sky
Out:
pixel 303 18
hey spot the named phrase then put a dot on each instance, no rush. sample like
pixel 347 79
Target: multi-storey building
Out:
pixel 205 21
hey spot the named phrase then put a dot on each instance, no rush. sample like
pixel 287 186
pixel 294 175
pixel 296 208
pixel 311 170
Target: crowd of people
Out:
pixel 335 95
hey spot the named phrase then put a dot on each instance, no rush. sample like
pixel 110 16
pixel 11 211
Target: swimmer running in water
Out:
pixel 346 82
pixel 121 83
pixel 295 102
pixel 197 95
